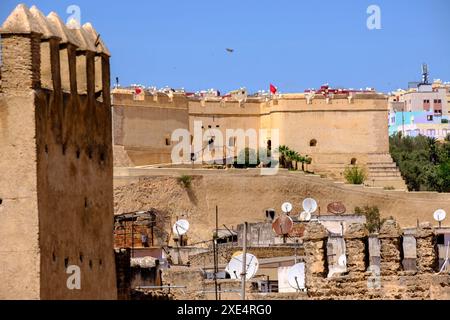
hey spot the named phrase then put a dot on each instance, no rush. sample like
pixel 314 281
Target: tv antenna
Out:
pixel 286 207
pixel 439 215
pixel 337 208
pixel 282 226
pixel 180 227
pixel 309 205
pixel 235 267
pixel 296 276
pixel 305 216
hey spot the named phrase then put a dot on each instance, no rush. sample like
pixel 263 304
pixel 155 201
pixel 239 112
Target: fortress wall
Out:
pixel 56 160
pixel 339 127
pixel 142 127
pixel 344 128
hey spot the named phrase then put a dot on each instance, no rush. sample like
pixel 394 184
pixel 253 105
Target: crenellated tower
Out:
pixel 56 164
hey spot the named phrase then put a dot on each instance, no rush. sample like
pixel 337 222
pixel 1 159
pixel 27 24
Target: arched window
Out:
pixel 313 143
pixel 269 144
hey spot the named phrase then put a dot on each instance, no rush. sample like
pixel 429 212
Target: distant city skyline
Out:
pixel 294 45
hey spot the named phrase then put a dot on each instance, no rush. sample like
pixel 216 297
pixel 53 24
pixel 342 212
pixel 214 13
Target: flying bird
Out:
pixel 230 50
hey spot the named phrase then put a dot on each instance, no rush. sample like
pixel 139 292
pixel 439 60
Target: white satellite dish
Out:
pixel 309 205
pixel 305 216
pixel 342 261
pixel 286 207
pixel 296 276
pixel 234 267
pixel 439 215
pixel 180 227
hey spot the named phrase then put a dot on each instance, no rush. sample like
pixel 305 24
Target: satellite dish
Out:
pixel 336 208
pixel 305 216
pixel 286 207
pixel 181 227
pixel 439 215
pixel 309 205
pixel 283 225
pixel 234 267
pixel 342 261
pixel 296 276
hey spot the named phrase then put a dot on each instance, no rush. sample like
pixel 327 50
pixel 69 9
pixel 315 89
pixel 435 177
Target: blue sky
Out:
pixel 293 44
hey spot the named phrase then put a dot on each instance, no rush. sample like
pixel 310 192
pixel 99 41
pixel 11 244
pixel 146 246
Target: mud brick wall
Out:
pixel 390 248
pixel 426 249
pixel 123 273
pixel 356 240
pixel 56 156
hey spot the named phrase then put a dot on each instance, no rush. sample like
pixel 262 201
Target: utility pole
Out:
pixel 215 252
pixel 244 262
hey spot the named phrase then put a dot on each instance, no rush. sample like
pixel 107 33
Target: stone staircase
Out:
pixel 383 172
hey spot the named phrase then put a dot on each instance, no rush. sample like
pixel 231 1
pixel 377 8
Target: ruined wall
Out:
pixel 365 279
pixel 57 159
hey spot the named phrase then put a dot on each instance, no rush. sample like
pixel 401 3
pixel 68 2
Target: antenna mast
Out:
pixel 244 262
pixel 425 73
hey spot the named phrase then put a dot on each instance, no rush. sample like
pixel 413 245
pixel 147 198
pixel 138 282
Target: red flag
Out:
pixel 273 89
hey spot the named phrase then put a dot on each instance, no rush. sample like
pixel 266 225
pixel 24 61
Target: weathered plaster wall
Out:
pixel 19 223
pixel 142 127
pixel 55 161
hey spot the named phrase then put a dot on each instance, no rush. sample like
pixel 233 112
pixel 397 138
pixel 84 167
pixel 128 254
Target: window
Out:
pixel 429 118
pixel 167 142
pixel 209 127
pixel 217 126
pixel 354 161
pixel 435 101
pixel 269 144
pixel 313 143
pixel 232 142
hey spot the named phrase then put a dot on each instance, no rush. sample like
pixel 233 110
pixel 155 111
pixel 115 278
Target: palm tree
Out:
pixel 290 156
pixel 283 151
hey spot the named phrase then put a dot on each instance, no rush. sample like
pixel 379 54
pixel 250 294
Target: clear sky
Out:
pixel 292 44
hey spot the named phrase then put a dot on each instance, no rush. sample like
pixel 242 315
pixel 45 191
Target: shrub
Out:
pixel 185 181
pixel 355 175
pixel 389 188
pixel 373 219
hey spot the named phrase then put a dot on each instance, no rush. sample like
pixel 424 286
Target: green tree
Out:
pixel 373 218
pixel 423 162
pixel 282 151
